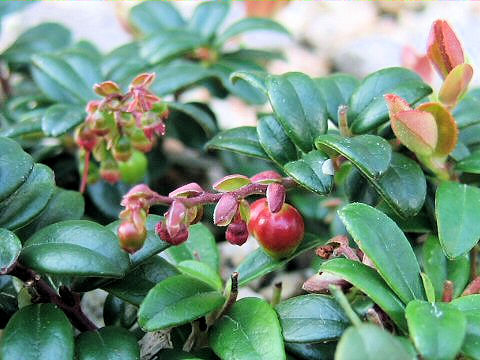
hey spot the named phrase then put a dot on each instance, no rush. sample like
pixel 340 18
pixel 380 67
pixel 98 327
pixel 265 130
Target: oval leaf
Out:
pixel 250 328
pixel 202 272
pixel 60 118
pixel 274 141
pixel 175 301
pixel 9 251
pixel 470 307
pixel 75 247
pixel 151 17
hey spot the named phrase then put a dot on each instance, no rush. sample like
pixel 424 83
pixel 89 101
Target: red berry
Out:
pixel 280 233
pixel 255 209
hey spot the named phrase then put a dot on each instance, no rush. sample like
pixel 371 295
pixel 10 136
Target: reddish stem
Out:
pixel 447 291
pixel 86 166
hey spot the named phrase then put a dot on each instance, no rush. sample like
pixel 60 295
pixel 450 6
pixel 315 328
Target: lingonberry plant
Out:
pixel 386 168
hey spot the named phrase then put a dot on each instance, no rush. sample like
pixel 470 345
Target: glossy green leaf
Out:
pixel 75 247
pixel 371 154
pixel 15 166
pixel 203 118
pixel 311 318
pixel 370 342
pixel 58 80
pixel 177 300
pixel 243 140
pixel 314 171
pixel 428 287
pixel 207 17
pixel 202 272
pixel 107 343
pixel 24 127
pixel 117 312
pixel 470 164
pixel 250 330
pixel 383 242
pixel 175 354
pixel 29 200
pixel 274 141
pixel 200 246
pixel 456 209
pixel 336 89
pixel 467 111
pixel 470 135
pixel 9 251
pixel 63 205
pixel 153 244
pixel 151 17
pixel 137 283
pixel 440 269
pixel 258 263
pixel 8 299
pixel 249 24
pixel 367 106
pixel 311 351
pixel 371 283
pixel 438 330
pixel 299 107
pixel 107 197
pixel 60 118
pixel 37 332
pixel 86 63
pixel 46 37
pixel 470 307
pixel 124 63
pixel 177 76
pixel 256 79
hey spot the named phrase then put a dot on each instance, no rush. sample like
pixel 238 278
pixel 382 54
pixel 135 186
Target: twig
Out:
pixel 68 301
pixel 447 291
pixel 473 262
pixel 86 166
pixel 277 294
pixel 343 302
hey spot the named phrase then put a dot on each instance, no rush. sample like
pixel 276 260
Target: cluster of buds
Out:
pixel 120 124
pixel 186 208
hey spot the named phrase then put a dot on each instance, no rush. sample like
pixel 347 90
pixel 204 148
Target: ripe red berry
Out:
pixel 280 233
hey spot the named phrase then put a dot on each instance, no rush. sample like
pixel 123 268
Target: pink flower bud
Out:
pixel 237 233
pixel 188 190
pixel 443 48
pixel 180 237
pixel 131 237
pixel 275 197
pixel 225 210
pixel 174 217
pixel 266 177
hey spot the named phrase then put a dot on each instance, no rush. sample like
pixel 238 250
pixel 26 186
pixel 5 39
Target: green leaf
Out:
pixel 371 283
pixel 370 342
pixel 367 106
pixel 438 330
pixel 249 24
pixel 258 263
pixel 117 312
pixel 250 330
pixel 470 135
pixel 153 244
pixel 274 141
pixel 243 140
pixel 202 272
pixel 75 247
pixel 124 63
pixel 428 287
pixel 37 332
pixel 369 153
pixel 311 318
pixel 388 248
pixel 63 205
pixel 177 76
pixel 439 268
pixel 299 107
pixel 311 351
pixel 175 354
pixel 60 118
pixel 45 38
pixel 85 63
pixel 177 300
pixel 8 299
pixel 137 283
pixel 336 89
pixel 29 200
pixel 207 17
pixel 152 17
pixel 256 79
pixel 9 251
pixel 200 246
pixel 313 171
pixel 203 118
pixel 456 209
pixel 107 343
pixel 107 197
pixel 467 111
pixel 470 307
pixel 15 165
pixel 59 81
pixel 470 164
pixel 167 44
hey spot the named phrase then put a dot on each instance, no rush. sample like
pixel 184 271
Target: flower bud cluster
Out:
pixel 120 124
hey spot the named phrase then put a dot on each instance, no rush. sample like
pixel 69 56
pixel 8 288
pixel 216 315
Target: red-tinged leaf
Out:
pixel 418 63
pixel 455 85
pixel 417 130
pixel 396 104
pixel 144 80
pixel 225 210
pixel 188 190
pixel 107 88
pixel 447 128
pixel 443 48
pixel 231 183
pixel 266 177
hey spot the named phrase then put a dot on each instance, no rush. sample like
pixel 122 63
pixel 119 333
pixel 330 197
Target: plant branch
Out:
pixel 68 301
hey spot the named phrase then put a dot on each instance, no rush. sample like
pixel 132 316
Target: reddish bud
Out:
pixel 237 233
pixel 266 177
pixel 443 48
pixel 225 210
pixel 131 237
pixel 101 122
pixel 180 237
pixel 85 137
pixel 175 217
pixel 109 171
pixel 275 197
pixel 107 88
